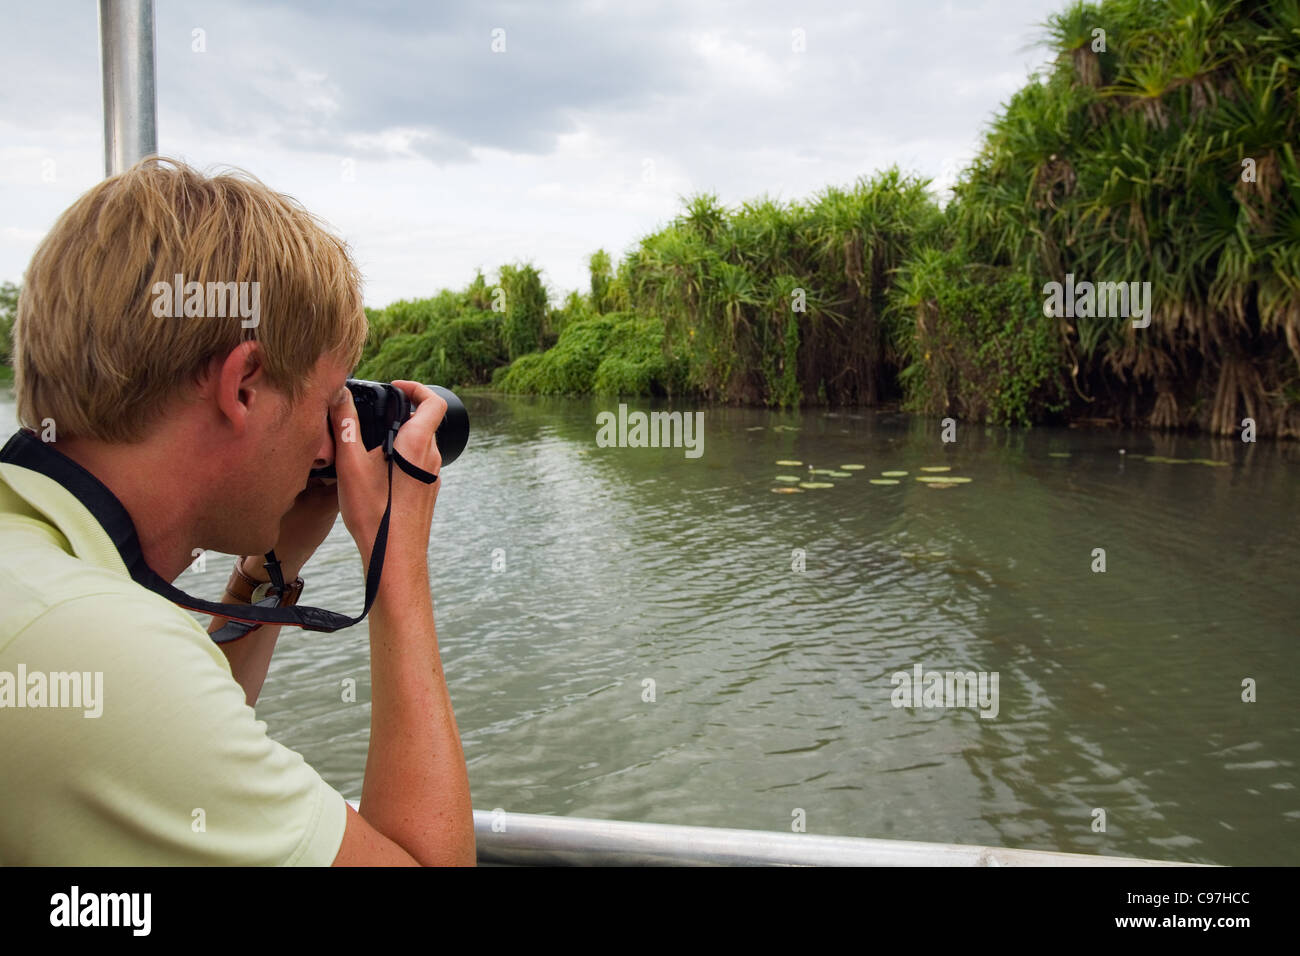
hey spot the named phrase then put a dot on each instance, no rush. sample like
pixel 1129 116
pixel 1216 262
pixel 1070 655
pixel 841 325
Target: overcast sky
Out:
pixel 433 155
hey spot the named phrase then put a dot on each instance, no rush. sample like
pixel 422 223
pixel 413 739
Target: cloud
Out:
pixel 400 124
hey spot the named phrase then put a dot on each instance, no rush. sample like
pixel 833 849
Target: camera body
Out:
pixel 383 408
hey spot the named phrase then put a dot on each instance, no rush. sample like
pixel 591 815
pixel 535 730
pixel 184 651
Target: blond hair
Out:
pixel 90 348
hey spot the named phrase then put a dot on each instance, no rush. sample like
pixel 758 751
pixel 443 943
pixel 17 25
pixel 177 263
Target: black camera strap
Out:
pixel 27 451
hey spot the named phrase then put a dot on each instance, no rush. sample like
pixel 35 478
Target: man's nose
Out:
pixel 325 453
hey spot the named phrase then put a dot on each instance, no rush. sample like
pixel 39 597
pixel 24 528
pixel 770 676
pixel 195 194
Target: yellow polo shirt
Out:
pixel 149 755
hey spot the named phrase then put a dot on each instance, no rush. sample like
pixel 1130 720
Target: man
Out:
pixel 204 423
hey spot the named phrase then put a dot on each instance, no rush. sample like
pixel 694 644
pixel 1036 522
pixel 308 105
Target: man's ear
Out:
pixel 240 381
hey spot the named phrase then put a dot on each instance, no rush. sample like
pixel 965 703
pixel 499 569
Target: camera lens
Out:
pixel 453 433
pixel 379 404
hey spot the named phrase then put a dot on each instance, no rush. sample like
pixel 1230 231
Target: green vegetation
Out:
pixel 1158 148
pixel 783 304
pixel 980 347
pixel 8 310
pixel 1166 157
pixel 452 339
pixel 615 354
pixel 525 311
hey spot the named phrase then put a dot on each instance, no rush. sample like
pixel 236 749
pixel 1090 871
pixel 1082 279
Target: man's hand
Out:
pixel 363 477
pixel 302 530
pixel 415 801
pixel 305 526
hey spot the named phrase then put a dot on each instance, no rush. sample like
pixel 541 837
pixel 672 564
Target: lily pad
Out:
pixel 942 479
pixel 941 484
pixel 788 491
pixel 893 474
pixel 1169 461
pixel 754 428
pixel 816 484
pixel 1210 461
pixel 852 467
pixel 936 468
pixel 791 478
pixel 840 474
pixel 821 471
pixel 1058 454
pixel 787 462
pixel 884 481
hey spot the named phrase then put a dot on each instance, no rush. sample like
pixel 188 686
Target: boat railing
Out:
pixel 532 839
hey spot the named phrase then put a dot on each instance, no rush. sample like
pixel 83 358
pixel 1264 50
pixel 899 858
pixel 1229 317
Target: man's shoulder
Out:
pixel 137 747
pixel 135 743
pixel 37 577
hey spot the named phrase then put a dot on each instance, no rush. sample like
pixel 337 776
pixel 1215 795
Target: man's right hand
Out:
pixel 415 799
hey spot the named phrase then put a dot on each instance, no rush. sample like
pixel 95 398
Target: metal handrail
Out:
pixel 530 839
pixel 533 839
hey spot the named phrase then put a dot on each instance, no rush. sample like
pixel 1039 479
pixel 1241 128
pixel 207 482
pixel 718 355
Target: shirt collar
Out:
pixel 50 500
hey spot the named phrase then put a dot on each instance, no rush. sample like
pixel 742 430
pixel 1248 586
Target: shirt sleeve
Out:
pixel 175 769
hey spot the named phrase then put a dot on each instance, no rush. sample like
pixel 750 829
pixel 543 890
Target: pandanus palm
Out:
pixel 1190 89
pixel 766 236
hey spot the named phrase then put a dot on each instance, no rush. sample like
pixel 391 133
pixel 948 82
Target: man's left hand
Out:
pixel 303 528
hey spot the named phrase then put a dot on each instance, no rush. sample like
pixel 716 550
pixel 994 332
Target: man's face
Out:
pixel 293 439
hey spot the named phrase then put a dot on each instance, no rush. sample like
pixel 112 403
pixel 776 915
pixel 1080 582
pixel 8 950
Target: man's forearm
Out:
pixel 416 789
pixel 250 656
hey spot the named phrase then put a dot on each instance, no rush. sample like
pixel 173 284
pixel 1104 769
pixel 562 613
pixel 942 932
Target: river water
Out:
pixel 637 634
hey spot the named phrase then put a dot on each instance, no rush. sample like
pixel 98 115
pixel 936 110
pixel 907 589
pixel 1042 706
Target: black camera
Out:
pixel 383 408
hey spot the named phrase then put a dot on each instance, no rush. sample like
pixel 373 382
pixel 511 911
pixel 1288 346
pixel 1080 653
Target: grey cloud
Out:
pixel 332 76
pixel 425 68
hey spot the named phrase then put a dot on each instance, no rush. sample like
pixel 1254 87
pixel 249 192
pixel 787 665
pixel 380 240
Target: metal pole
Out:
pixel 130 98
pixel 535 840
pixel 527 839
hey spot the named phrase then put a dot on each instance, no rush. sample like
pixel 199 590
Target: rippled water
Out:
pixel 1119 691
